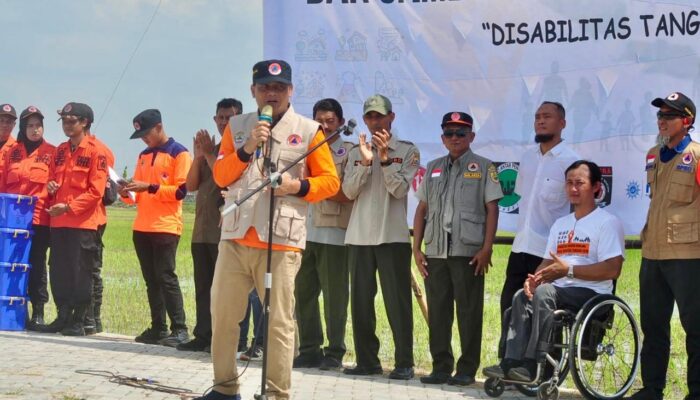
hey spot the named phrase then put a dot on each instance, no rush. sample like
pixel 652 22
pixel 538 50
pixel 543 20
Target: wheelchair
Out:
pixel 599 345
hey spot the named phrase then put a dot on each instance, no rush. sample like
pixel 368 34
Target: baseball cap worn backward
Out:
pixel 144 122
pixel 272 71
pixel 80 110
pixel 7 109
pixel 457 117
pixel 677 101
pixel 378 103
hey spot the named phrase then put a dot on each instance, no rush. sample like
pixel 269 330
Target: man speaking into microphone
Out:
pixel 247 141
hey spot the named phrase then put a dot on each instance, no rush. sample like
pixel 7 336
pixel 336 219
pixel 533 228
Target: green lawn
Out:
pixel 125 308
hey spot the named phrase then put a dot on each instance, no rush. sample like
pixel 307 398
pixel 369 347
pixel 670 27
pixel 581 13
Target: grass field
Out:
pixel 125 308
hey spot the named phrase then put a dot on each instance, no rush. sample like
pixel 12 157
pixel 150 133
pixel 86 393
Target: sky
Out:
pixel 195 53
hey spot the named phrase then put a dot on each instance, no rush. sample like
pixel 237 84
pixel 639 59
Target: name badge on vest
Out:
pixel 684 168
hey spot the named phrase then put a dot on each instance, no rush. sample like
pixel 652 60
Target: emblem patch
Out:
pixel 687 158
pixel 274 69
pixel 341 152
pixel 472 167
pixel 137 126
pixel 455 116
pixel 493 174
pixel 435 173
pixel 294 140
pixel 6 108
pixel 67 108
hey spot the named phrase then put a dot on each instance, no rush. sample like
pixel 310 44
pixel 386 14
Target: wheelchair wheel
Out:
pixel 604 350
pixel 547 391
pixel 494 387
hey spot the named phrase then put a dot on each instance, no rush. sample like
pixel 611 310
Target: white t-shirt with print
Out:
pixel 594 238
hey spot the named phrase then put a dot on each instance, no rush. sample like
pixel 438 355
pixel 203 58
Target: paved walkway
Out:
pixel 42 366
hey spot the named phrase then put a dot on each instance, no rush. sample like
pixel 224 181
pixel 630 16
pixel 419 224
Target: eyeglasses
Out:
pixel 668 116
pixel 462 132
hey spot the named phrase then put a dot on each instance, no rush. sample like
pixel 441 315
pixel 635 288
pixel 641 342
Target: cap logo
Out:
pixel 67 108
pixel 455 117
pixel 6 108
pixel 274 69
pixel 672 97
pixel 137 126
pixel 32 109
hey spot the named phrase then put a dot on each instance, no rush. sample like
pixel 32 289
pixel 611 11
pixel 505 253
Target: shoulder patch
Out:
pixel 493 174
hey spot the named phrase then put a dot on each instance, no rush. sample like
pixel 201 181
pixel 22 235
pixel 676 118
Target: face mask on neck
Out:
pixel 544 138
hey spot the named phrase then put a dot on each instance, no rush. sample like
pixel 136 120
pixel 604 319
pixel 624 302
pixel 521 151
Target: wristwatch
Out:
pixel 570 274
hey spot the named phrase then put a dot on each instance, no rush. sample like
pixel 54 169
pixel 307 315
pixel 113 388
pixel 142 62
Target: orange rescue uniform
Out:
pixel 102 212
pixel 229 168
pixel 10 142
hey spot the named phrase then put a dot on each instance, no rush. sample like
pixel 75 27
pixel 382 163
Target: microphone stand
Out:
pixel 273 180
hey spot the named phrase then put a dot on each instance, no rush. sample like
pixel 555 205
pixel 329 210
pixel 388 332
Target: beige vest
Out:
pixel 328 213
pixel 290 139
pixel 672 230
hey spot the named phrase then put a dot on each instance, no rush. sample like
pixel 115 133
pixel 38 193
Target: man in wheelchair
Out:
pixel 585 251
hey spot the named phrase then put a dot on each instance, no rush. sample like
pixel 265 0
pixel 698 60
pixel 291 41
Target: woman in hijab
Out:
pixel 27 171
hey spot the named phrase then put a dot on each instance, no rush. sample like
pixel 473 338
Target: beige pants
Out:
pixel 238 270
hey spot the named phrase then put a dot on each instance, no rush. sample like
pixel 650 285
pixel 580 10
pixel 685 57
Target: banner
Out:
pixel 604 60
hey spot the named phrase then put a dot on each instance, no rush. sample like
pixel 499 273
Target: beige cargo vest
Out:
pixel 672 230
pixel 328 213
pixel 290 139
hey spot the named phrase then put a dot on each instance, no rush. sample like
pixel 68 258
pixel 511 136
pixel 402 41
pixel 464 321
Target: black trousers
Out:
pixel 72 260
pixel 97 287
pixel 38 290
pixel 519 266
pixel 452 281
pixel 393 263
pixel 156 252
pixel 661 283
pixel 204 260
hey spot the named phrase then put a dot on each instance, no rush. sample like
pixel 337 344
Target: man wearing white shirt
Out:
pixel 584 253
pixel 540 184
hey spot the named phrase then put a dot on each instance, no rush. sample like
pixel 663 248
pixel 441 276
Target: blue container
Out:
pixel 16 211
pixel 13 313
pixel 14 279
pixel 15 245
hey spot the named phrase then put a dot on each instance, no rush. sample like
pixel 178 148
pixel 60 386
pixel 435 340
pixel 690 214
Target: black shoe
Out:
pixel 176 337
pixel 435 378
pixel 520 374
pixel 62 320
pixel 252 354
pixel 308 360
pixel 402 373
pixel 37 320
pixel 75 327
pixel 461 380
pixel 330 363
pixel 647 394
pixel 214 395
pixel 151 336
pixel 195 344
pixel 494 371
pixel 360 370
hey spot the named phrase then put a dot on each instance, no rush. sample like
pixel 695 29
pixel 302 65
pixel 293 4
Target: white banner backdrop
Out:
pixel 604 60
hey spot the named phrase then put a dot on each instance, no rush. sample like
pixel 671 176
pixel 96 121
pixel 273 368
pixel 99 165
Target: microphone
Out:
pixel 350 127
pixel 265 115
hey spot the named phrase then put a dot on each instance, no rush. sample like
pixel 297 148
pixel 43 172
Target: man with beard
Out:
pixel 540 185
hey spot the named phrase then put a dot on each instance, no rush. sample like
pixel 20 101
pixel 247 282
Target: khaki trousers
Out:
pixel 238 269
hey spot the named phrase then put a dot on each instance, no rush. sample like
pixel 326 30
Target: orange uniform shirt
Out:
pixel 28 174
pixel 82 176
pixel 102 212
pixel 160 208
pixel 10 141
pixel 323 179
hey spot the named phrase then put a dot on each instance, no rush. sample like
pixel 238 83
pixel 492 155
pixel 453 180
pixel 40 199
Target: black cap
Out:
pixel 272 71
pixel 79 110
pixel 29 111
pixel 145 121
pixel 7 109
pixel 677 101
pixel 457 117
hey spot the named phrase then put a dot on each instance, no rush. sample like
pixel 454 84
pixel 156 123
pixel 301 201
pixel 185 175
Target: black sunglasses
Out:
pixel 461 132
pixel 668 116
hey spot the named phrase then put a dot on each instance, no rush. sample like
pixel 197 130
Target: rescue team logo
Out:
pixel 507 172
pixel 67 108
pixel 32 109
pixel 687 158
pixel 418 178
pixel 455 117
pixel 6 108
pixel 473 167
pixel 604 197
pixel 274 69
pixel 137 126
pixel 294 140
pixel 672 97
pixel 341 152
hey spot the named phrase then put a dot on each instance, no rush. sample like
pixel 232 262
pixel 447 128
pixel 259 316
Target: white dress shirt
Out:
pixel 541 186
